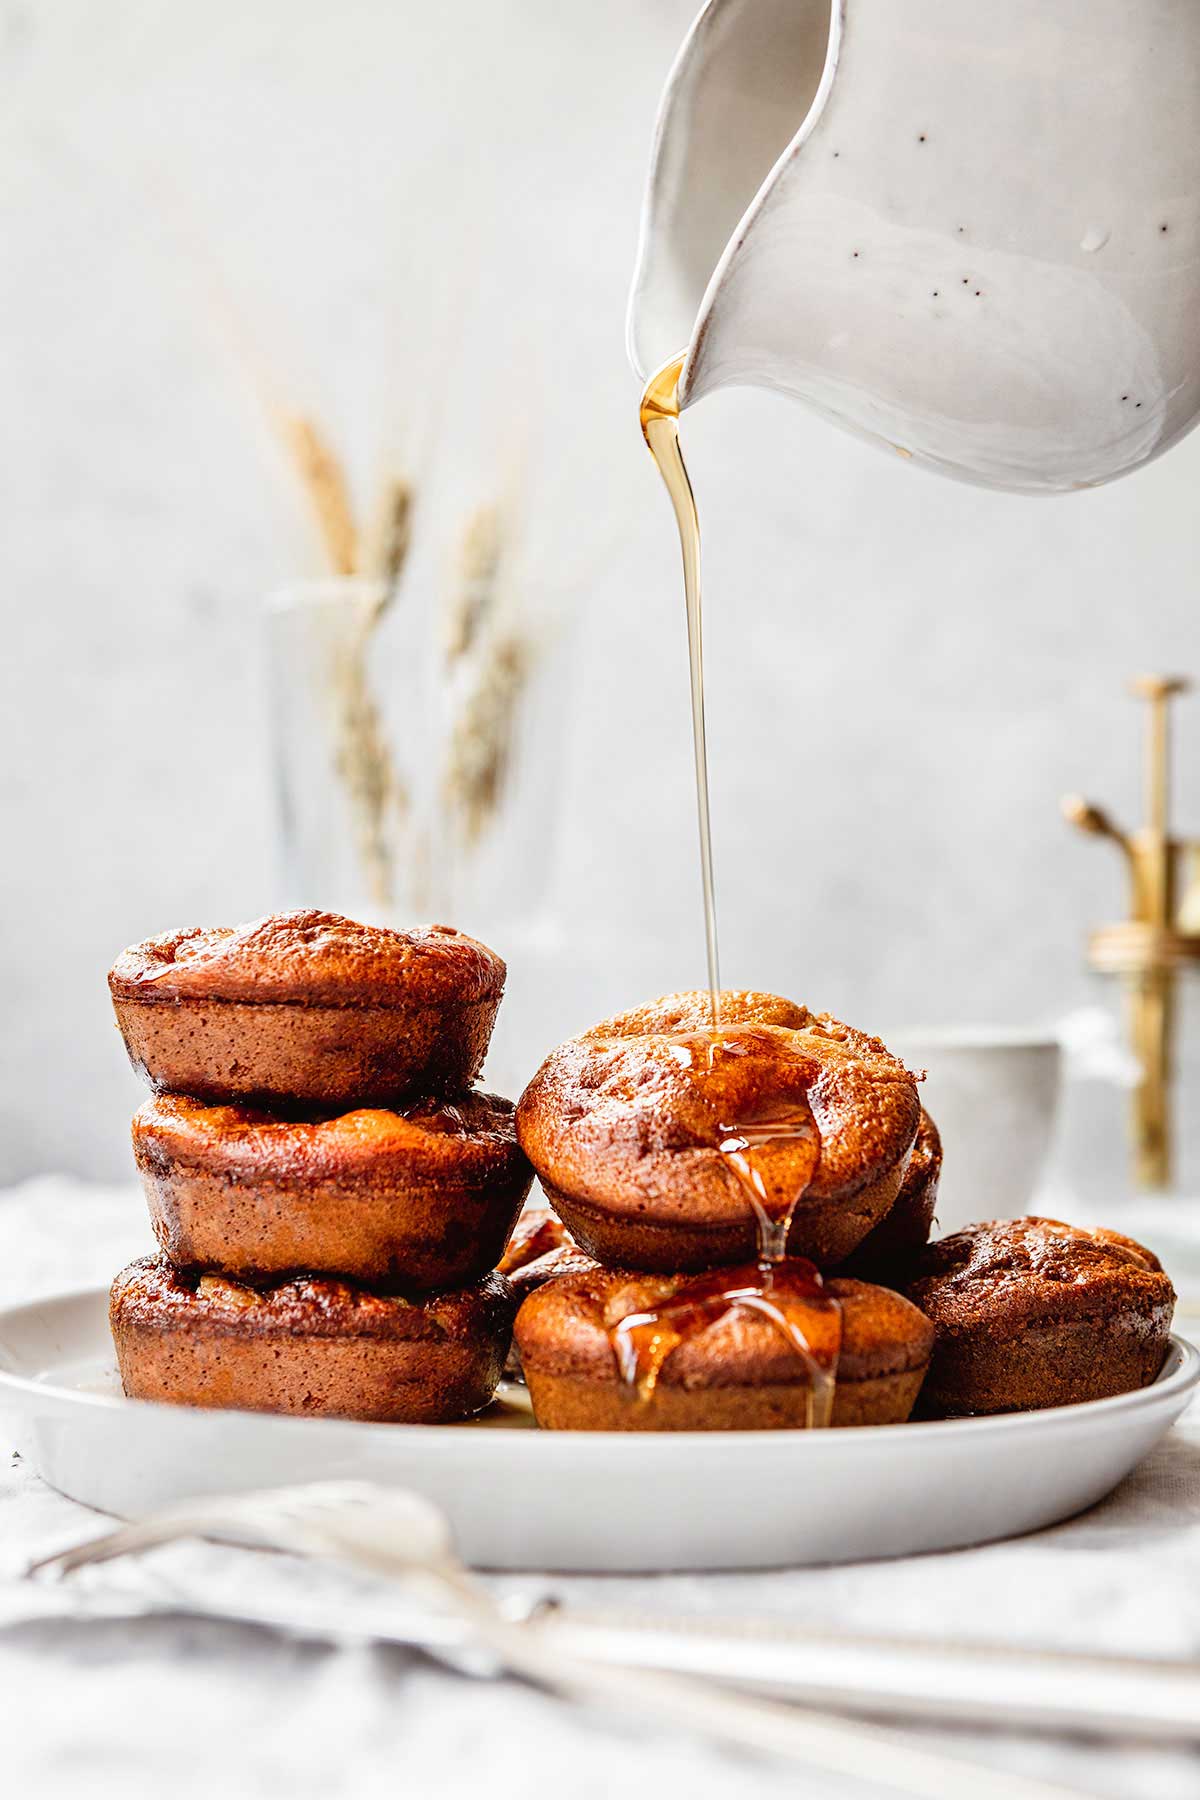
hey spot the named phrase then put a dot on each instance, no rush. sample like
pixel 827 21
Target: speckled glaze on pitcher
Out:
pixel 969 231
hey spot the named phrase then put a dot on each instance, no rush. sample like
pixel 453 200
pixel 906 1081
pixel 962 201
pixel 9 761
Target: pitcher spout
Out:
pixel 745 87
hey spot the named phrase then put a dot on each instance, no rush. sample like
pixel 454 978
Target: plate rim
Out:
pixel 1170 1384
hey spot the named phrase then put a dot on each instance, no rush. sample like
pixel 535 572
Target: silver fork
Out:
pixel 400 1535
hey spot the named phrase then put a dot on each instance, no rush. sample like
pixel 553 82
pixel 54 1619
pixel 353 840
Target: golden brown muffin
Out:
pixel 540 1250
pixel 568 1259
pixel 308 1009
pixel 1032 1313
pixel 738 1373
pixel 889 1247
pixel 536 1233
pixel 311 1346
pixel 623 1125
pixel 423 1198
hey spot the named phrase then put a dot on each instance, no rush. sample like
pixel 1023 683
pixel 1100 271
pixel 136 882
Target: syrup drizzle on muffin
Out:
pixel 787 1291
pixel 792 1298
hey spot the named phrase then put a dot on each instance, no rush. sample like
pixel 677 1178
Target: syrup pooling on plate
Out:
pixel 787 1291
pixel 659 417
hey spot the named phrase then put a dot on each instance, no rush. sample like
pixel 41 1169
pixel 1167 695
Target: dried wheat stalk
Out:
pixel 480 747
pixel 391 538
pixel 362 755
pixel 489 659
pixel 474 599
pixel 363 758
pixel 325 482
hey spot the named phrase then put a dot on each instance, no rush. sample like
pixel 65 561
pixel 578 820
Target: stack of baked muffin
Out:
pixel 624 1126
pixel 334 1201
pixel 330 1192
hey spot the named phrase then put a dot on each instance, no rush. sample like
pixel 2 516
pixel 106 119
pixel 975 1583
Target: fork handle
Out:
pixel 864 1751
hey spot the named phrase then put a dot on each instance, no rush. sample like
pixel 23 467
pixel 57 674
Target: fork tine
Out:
pixel 127 1540
pixel 271 1516
pixel 163 1527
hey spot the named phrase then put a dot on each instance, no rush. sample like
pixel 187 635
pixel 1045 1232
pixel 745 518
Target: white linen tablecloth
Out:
pixel 145 1707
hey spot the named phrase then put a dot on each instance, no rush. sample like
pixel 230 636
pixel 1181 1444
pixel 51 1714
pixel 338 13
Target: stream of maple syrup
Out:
pixel 659 417
pixel 788 1291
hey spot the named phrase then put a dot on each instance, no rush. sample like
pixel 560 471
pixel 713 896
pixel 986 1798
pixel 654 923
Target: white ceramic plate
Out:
pixel 524 1499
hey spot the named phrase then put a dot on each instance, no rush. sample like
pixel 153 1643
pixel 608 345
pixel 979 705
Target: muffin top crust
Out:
pixel 628 1116
pixel 563 1328
pixel 540 1250
pixel 152 1293
pixel 309 957
pixel 537 1233
pixel 924 1166
pixel 568 1259
pixel 471 1137
pixel 904 1228
pixel 1003 1274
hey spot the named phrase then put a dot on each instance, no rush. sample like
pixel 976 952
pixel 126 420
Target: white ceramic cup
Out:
pixel 994 1095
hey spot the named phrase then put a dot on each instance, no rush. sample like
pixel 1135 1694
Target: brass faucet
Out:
pixel 1160 937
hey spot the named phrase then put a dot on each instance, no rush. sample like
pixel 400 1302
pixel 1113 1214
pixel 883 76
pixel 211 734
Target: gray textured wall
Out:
pixel 905 673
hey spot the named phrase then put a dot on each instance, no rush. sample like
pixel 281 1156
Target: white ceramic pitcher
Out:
pixel 967 229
